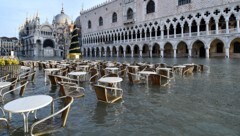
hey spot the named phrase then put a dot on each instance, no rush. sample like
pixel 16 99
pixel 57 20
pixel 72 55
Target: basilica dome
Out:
pixel 62 18
pixel 77 22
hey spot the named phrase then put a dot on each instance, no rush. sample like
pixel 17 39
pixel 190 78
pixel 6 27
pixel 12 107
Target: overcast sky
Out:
pixel 14 12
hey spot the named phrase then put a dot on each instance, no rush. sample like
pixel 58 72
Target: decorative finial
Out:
pixel 62 11
pixel 82 6
pixel 37 14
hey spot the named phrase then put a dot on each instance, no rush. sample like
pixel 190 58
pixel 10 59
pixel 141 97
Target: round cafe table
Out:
pixel 111 69
pixel 78 74
pixel 147 73
pixel 112 80
pixel 26 105
pixel 50 70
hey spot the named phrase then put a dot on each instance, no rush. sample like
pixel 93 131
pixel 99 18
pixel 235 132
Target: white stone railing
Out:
pixel 212 32
pixel 222 31
pixel 178 35
pixel 193 34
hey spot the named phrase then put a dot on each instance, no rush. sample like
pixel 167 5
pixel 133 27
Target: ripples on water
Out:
pixel 202 104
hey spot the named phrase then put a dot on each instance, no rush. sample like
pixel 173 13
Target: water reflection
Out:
pixel 100 113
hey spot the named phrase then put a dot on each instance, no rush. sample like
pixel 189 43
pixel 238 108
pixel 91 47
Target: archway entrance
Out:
pixel 48 48
pixel 128 51
pixel 198 49
pixel 217 49
pixel 182 50
pixel 120 51
pixel 156 50
pixel 168 50
pixel 145 51
pixel 234 49
pixel 136 51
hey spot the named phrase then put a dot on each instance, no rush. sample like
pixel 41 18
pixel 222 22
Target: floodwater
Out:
pixel 204 104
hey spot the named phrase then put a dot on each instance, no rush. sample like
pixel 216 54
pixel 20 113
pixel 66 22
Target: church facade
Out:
pixel 160 28
pixel 45 39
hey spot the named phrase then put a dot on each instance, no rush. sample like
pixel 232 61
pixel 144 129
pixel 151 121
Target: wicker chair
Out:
pixel 71 89
pixel 65 79
pixel 3 117
pixel 52 79
pixel 160 80
pixel 13 83
pixel 4 78
pixel 51 123
pixel 187 70
pixel 134 78
pixel 94 75
pixel 29 76
pixel 108 94
pixel 21 88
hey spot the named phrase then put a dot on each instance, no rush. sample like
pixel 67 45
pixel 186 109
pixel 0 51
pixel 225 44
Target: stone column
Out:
pixel 111 53
pixel 155 34
pixel 162 33
pixel 216 24
pixel 182 31
pixel 190 30
pixel 132 53
pixel 140 36
pixel 120 38
pixel 145 35
pixel 132 37
pixel 150 51
pixel 174 53
pixel 105 53
pixel 114 39
pixel 198 29
pixel 189 53
pixel 136 37
pixel 238 26
pixel 95 52
pixel 207 52
pixel 124 38
pixel 207 28
pixel 162 53
pixel 227 52
pixel 128 38
pixel 227 26
pixel 150 34
pixel 124 53
pixel 117 52
pixel 140 51
pixel 100 53
pixel 167 33
pixel 174 31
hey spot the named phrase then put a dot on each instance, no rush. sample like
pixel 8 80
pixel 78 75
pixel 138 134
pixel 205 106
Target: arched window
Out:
pixel 130 14
pixel 89 24
pixel 100 21
pixel 150 7
pixel 114 17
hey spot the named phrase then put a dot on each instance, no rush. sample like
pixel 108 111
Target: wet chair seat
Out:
pixel 108 94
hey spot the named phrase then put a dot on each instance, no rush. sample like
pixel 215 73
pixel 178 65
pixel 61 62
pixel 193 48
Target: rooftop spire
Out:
pixel 62 11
